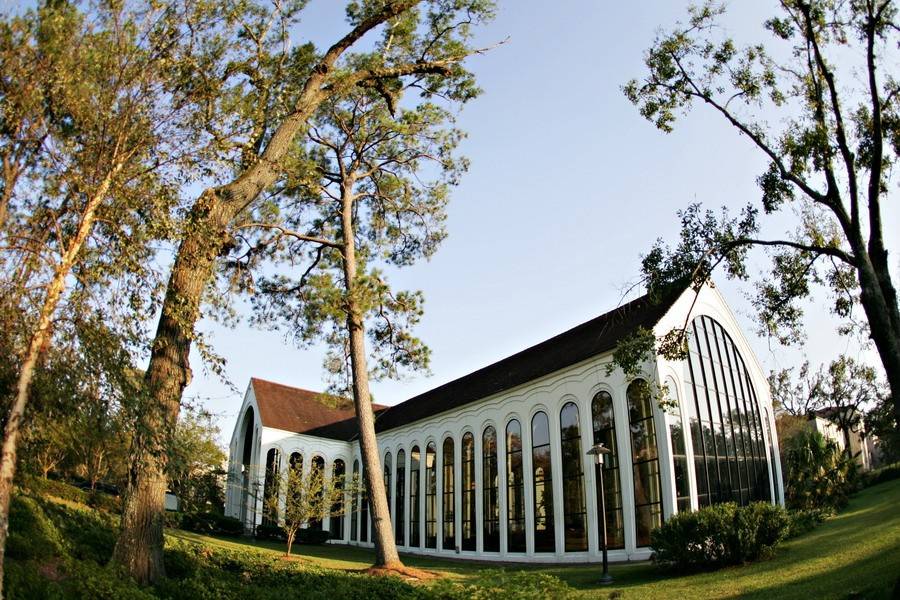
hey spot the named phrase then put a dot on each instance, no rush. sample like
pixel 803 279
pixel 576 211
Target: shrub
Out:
pixel 313 536
pixel 57 489
pixel 103 501
pixel 210 522
pixel 803 521
pixel 880 475
pixel 719 535
pixel 269 532
pixel 819 473
pixel 31 534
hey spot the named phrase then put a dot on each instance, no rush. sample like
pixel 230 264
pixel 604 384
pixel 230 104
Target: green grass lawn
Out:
pixel 854 555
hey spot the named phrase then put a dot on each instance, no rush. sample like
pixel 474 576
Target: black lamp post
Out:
pixel 599 452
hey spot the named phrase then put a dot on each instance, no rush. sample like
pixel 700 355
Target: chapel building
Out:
pixel 494 465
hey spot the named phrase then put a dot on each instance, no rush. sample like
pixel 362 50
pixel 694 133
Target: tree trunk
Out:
pixel 290 542
pixel 883 317
pixel 55 289
pixel 386 555
pixel 140 544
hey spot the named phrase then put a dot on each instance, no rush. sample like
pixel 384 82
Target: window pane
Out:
pixel 449 505
pixel 430 496
pixel 574 511
pixel 603 418
pixel 490 486
pixel 468 492
pixel 645 463
pixel 399 509
pixel 544 536
pixel 414 474
pixel 515 489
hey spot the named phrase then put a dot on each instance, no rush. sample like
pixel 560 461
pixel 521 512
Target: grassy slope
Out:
pixel 856 554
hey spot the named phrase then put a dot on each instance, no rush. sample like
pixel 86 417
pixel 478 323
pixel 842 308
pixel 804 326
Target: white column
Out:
pixel 626 467
pixel 559 530
pixel 528 476
pixel 501 486
pixel 457 492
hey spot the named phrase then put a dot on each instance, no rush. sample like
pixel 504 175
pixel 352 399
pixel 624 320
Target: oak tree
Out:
pixel 830 138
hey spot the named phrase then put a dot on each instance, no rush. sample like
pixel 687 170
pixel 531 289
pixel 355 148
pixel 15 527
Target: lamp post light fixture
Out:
pixel 599 452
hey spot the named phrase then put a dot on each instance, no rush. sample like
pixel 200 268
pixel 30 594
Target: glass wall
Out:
pixel 430 496
pixel 364 508
pixel 317 465
pixel 399 511
pixel 414 511
pixel 604 424
pixel 729 454
pixel 679 451
pixel 468 492
pixel 515 489
pixel 387 483
pixel 574 512
pixel 448 499
pixel 354 505
pixel 542 471
pixel 645 462
pixel 336 524
pixel 490 491
pixel 270 487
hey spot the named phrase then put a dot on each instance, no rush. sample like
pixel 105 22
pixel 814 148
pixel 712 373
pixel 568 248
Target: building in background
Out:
pixel 494 465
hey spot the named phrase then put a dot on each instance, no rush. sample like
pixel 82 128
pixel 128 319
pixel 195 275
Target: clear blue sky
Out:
pixel 568 186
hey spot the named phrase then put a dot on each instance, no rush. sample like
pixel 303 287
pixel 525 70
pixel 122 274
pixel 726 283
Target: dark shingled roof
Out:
pixel 302 411
pixel 589 339
pixel 317 414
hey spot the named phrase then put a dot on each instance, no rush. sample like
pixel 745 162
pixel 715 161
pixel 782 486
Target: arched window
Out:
pixel 574 512
pixel 430 496
pixel 387 483
pixel 415 470
pixel 317 473
pixel 364 506
pixel 449 506
pixel 337 520
pixel 296 461
pixel 354 504
pixel 726 429
pixel 604 424
pixel 515 489
pixel 270 487
pixel 544 534
pixel 679 451
pixel 399 511
pixel 645 461
pixel 468 492
pixel 490 490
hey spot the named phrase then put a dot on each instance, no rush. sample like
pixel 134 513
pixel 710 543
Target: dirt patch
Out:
pixel 409 574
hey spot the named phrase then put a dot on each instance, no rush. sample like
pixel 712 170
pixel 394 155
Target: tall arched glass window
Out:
pixel 490 491
pixel 603 418
pixel 336 524
pixel 542 479
pixel 364 507
pixel 399 511
pixel 318 470
pixel 387 483
pixel 574 512
pixel 414 510
pixel 430 496
pixel 515 489
pixel 679 450
pixel 270 487
pixel 468 492
pixel 354 504
pixel 645 462
pixel 449 500
pixel 729 456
